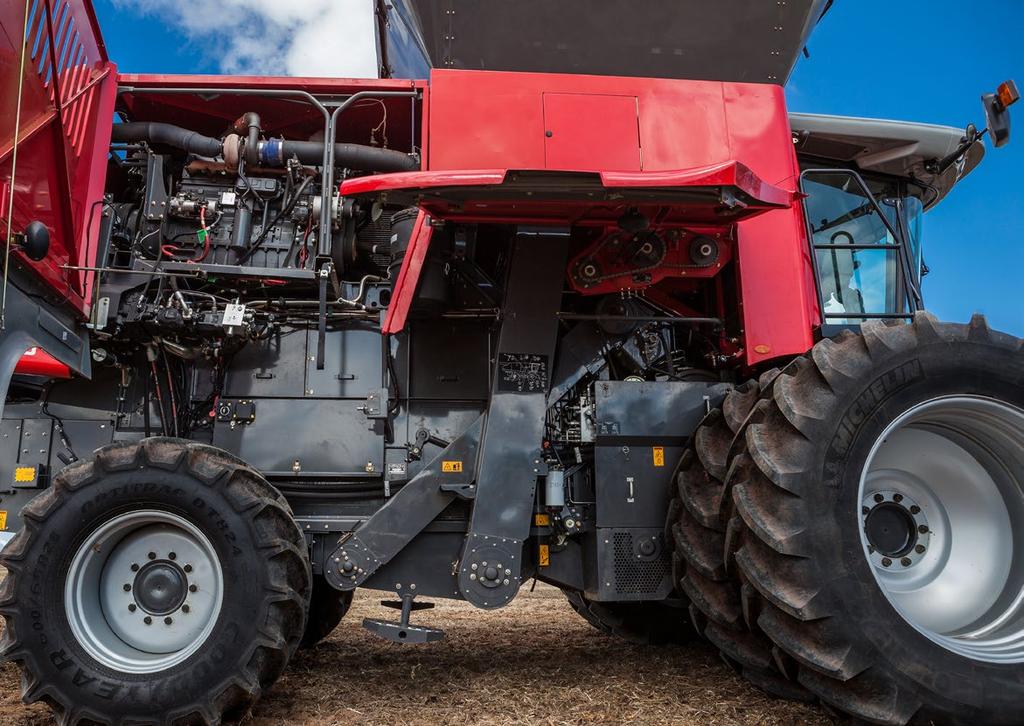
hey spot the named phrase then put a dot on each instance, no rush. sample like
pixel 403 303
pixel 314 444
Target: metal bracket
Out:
pixel 490 569
pixel 406 514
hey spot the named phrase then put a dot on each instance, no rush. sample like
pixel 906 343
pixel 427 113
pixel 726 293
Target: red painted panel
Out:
pixel 68 91
pixel 408 276
pixel 37 362
pixel 778 298
pixel 487 120
pixel 591 132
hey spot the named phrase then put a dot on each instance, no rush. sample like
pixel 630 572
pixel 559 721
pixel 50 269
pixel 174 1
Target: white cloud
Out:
pixel 334 38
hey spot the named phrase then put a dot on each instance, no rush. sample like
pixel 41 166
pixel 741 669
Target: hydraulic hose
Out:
pixel 274 152
pixel 168 135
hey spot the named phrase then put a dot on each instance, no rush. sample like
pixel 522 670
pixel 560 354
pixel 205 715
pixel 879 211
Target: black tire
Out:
pixel 698 529
pixel 265 584
pixel 327 607
pixel 642 623
pixel 797 484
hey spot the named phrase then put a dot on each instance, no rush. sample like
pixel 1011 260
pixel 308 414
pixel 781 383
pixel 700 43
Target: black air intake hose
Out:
pixel 168 135
pixel 274 152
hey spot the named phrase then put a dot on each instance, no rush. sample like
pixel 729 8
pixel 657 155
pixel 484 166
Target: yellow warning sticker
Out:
pixel 451 467
pixel 544 556
pixel 25 474
pixel 541 520
pixel 3 519
pixel 659 455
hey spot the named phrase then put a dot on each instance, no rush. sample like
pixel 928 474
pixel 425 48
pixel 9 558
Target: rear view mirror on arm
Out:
pixel 997 111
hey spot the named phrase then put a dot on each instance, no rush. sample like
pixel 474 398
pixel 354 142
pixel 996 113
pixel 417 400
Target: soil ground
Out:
pixel 533 662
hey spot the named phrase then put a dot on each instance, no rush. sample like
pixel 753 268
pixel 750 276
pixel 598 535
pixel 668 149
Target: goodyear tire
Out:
pixel 157 582
pixel 642 623
pixel 327 607
pixel 697 526
pixel 879 485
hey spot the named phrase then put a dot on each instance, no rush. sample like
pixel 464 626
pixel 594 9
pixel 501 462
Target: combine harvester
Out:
pixel 579 302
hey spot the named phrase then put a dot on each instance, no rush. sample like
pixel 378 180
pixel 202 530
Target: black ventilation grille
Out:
pixel 636 574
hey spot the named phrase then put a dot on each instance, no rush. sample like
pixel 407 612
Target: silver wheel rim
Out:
pixel 144 591
pixel 941 523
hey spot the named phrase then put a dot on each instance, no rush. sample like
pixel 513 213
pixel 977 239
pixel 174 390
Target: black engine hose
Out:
pixel 168 135
pixel 249 124
pixel 275 152
pixel 271 153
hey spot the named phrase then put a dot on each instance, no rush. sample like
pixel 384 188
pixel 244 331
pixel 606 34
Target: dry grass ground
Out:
pixel 534 662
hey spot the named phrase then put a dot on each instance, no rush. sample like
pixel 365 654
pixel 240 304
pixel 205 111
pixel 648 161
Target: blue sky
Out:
pixel 916 60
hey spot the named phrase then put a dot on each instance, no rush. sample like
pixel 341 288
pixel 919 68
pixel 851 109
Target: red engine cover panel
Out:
pixel 67 106
pixel 484 120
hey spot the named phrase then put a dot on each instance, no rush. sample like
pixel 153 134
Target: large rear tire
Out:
pixel 698 524
pixel 880 491
pixel 642 623
pixel 159 581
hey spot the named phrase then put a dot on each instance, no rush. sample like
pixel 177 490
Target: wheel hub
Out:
pixel 143 592
pixel 160 587
pixel 896 529
pixel 942 512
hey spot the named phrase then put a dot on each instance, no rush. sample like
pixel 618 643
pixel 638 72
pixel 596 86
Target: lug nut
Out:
pixel 168 621
pixel 897 497
pixel 185 608
pixel 919 549
pixel 923 529
pixel 914 509
pixel 905 562
pixel 151 555
pixel 886 562
pixel 192 588
pixel 127 587
pixel 172 555
pixel 188 568
pixel 865 510
pixel 879 498
pixel 132 608
pixel 135 567
pixel 147 620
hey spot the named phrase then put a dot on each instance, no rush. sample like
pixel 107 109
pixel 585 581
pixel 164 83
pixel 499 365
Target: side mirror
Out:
pixel 997 111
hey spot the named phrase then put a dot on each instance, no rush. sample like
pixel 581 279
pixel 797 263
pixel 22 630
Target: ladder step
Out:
pixel 397 605
pixel 399 633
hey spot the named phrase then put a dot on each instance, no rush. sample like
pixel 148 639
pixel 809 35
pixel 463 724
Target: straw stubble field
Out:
pixel 534 662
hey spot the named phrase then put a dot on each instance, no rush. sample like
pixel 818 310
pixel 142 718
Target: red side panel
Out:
pixel 37 362
pixel 501 121
pixel 591 131
pixel 408 276
pixel 67 103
